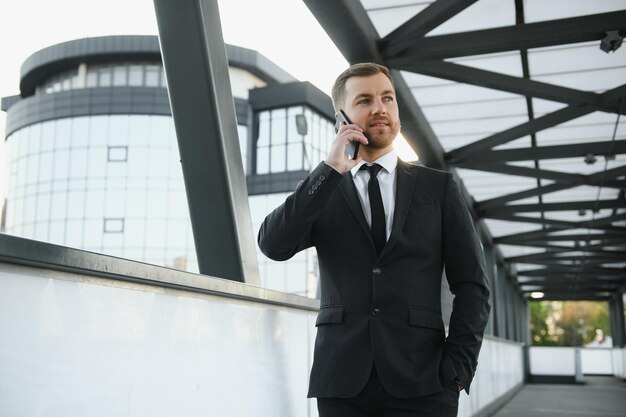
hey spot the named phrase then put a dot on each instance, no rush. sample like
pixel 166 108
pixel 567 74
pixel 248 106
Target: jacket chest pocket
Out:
pixel 425 220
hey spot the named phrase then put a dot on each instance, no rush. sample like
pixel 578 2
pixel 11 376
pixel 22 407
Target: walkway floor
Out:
pixel 598 397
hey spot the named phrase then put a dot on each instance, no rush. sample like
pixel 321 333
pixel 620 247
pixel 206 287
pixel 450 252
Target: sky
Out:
pixel 284 31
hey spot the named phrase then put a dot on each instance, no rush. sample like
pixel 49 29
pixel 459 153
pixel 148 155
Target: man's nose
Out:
pixel 379 107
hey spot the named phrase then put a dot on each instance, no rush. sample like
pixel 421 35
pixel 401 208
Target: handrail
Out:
pixel 21 251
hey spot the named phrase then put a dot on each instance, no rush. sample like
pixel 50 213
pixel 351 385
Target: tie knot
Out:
pixel 373 169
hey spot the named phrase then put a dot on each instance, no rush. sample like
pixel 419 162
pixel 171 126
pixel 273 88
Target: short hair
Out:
pixel 363 69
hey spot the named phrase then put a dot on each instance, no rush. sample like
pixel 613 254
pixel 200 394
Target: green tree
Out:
pixel 569 323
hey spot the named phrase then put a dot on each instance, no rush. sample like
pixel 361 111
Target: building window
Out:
pixel 113 225
pixel 282 147
pixel 135 75
pixel 117 154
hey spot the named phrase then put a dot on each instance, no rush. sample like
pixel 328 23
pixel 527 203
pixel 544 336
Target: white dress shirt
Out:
pixel 387 182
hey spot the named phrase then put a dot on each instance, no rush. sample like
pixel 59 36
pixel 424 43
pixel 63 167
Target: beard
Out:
pixel 381 138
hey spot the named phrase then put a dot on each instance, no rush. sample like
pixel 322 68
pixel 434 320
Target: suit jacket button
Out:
pixel 318 183
pixel 377 271
pixel 376 311
pixel 314 187
pixel 322 177
pixel 311 192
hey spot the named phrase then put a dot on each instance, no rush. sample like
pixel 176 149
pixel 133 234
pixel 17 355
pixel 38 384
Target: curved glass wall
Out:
pixel 109 184
pixel 113 184
pixel 122 74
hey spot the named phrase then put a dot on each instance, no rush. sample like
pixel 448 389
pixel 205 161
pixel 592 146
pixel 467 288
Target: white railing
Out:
pixel 77 345
pixel 86 334
pixel 500 370
pixel 566 362
pixel 619 362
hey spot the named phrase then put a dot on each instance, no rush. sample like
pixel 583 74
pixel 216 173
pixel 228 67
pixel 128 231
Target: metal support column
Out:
pixel 500 301
pixel 194 57
pixel 490 266
pixel 510 308
pixel 616 315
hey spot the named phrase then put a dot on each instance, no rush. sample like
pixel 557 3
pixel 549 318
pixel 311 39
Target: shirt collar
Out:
pixel 388 161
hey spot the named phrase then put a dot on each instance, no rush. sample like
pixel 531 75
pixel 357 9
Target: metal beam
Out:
pixel 532 220
pixel 510 38
pixel 516 132
pixel 596 249
pixel 556 280
pixel 524 171
pixel 602 223
pixel 194 57
pixel 617 147
pixel 574 261
pixel 428 19
pixel 516 85
pixel 605 237
pixel 521 237
pixel 577 286
pixel 532 126
pixel 561 206
pixel 602 178
pixel 574 272
pixel 617 256
pixel 602 241
pixel 575 296
pixel 500 201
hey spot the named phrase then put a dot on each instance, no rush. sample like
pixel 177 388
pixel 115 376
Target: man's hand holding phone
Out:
pixel 343 154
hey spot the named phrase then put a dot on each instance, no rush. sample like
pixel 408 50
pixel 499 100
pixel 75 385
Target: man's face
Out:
pixel 370 103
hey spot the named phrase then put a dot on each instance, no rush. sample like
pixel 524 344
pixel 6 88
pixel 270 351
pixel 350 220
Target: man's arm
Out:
pixel 287 230
pixel 465 272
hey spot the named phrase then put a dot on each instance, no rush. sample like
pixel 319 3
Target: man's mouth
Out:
pixel 379 123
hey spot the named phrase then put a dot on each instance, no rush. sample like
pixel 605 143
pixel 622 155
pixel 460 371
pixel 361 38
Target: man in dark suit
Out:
pixel 383 230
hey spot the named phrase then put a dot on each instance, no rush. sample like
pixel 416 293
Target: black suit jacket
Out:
pixel 387 309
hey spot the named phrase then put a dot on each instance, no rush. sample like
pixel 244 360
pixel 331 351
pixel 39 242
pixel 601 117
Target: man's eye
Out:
pixel 363 101
pixel 388 98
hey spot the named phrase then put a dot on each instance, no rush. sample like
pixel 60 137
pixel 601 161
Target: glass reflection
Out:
pixel 114 184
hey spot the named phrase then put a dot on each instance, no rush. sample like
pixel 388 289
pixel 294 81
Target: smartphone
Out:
pixel 353 147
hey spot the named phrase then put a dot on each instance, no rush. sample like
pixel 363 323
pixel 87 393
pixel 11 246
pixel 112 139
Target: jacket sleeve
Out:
pixel 287 230
pixel 465 272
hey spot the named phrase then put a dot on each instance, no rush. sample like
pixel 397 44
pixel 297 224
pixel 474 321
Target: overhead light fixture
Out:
pixel 590 159
pixel 611 42
pixel 536 294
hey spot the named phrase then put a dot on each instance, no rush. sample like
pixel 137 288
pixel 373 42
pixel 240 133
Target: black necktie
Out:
pixel 379 231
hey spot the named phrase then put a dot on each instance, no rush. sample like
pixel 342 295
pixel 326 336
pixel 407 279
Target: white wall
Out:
pixel 597 361
pixel 562 361
pixel 552 360
pixel 500 369
pixel 619 362
pixel 78 345
pixel 75 345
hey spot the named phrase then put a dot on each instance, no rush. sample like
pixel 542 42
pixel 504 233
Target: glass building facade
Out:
pixel 108 179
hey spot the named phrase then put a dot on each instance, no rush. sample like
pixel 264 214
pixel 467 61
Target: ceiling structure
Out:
pixel 520 100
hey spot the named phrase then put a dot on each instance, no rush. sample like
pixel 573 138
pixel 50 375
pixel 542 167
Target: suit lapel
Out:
pixel 348 189
pixel 405 185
